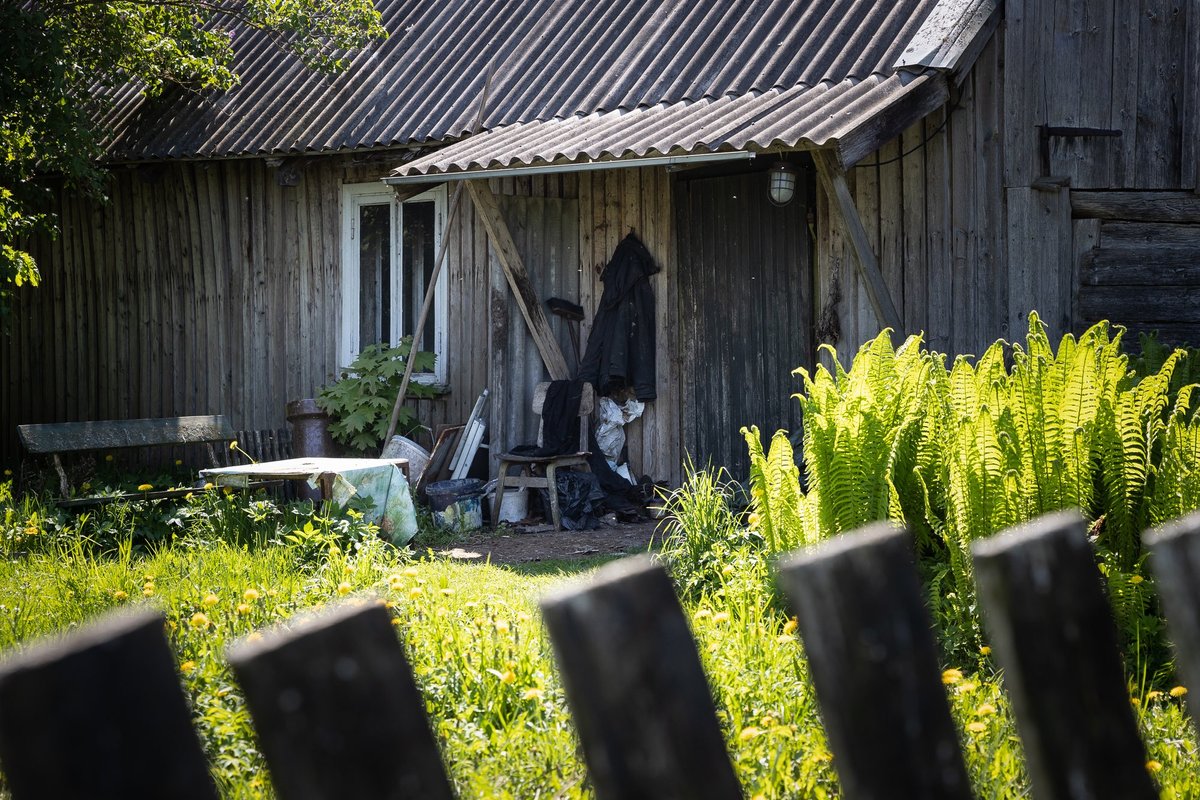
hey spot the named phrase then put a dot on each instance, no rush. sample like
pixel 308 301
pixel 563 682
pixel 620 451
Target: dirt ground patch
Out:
pixel 523 545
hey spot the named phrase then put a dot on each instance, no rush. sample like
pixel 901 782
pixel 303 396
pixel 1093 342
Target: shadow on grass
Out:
pixel 562 566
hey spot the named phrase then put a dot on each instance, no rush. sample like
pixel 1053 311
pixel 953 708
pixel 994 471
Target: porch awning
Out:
pixel 853 116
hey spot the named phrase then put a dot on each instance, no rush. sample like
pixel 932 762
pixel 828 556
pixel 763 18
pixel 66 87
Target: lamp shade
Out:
pixel 781 183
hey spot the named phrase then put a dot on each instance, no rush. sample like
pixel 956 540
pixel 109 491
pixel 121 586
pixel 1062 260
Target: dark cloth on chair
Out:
pixel 560 421
pixel 620 349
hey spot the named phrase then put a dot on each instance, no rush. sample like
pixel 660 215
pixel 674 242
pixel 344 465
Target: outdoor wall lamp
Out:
pixel 781 183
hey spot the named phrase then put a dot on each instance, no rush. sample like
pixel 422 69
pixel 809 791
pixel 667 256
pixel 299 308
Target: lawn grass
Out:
pixel 475 642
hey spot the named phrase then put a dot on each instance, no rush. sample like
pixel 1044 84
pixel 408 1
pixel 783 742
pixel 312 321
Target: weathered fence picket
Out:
pixel 1175 559
pixel 873 661
pixel 1045 608
pixel 638 694
pixel 337 712
pixel 101 713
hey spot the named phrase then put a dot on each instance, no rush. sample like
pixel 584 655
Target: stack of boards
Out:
pixel 456 446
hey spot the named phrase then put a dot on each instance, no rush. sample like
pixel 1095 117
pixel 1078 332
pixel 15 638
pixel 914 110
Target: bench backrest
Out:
pixel 66 437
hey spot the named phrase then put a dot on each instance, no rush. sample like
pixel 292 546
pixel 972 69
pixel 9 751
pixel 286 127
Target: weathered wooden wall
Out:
pixel 205 288
pixel 973 225
pixel 932 203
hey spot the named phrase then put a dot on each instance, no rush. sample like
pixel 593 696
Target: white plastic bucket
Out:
pixel 515 505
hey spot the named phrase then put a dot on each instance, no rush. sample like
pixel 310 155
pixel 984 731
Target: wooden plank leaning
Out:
pixel 1044 606
pixel 1175 559
pixel 337 711
pixel 636 688
pixel 873 661
pixel 100 714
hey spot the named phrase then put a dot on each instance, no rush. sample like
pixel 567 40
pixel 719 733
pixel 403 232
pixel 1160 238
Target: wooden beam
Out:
pixel 518 279
pixel 921 97
pixel 1181 207
pixel 833 178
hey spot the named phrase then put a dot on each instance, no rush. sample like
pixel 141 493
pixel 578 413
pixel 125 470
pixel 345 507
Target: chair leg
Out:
pixel 552 488
pixel 500 484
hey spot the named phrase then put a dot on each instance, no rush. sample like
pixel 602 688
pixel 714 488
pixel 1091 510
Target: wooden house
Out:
pixel 958 163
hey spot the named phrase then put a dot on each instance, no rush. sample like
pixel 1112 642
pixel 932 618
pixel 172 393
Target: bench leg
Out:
pixel 63 484
pixel 500 486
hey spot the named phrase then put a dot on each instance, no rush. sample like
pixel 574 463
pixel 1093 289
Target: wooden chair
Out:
pixel 530 466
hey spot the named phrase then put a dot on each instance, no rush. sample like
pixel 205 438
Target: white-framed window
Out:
pixel 388 252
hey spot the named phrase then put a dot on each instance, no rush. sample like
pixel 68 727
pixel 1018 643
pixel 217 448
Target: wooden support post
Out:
pixel 337 712
pixel 1045 607
pixel 100 714
pixel 1175 559
pixel 834 180
pixel 873 660
pixel 636 689
pixel 518 279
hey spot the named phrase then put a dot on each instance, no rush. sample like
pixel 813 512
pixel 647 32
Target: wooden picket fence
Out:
pixel 101 713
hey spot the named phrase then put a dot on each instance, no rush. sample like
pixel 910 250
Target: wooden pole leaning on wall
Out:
pixel 518 279
pixel 1045 608
pixel 1175 559
pixel 873 660
pixel 337 711
pixel 637 692
pixel 833 177
pixel 100 714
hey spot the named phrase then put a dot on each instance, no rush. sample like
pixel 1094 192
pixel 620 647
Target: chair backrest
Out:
pixel 587 404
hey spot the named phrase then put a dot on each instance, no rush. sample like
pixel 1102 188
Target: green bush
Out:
pixel 959 453
pixel 361 401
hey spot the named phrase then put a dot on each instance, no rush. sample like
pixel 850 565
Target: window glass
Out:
pixel 418 253
pixel 374 273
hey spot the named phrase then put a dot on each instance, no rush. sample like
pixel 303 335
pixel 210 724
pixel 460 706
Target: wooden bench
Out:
pixel 54 439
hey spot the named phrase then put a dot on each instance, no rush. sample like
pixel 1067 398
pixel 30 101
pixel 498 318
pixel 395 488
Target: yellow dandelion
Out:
pixel 108 457
pixel 790 626
pixel 416 591
pixel 951 676
pixel 343 588
pixel 1153 695
pixel 145 487
pixel 721 616
pixel 754 520
pixel 768 721
pixel 759 797
pixel 533 694
pixel 501 626
pixel 1178 691
pixel 396 621
pixel 985 651
pixel 508 676
pixel 447 591
pixel 1136 579
pixel 8 473
pixel 411 572
pixel 210 600
pixel 119 595
pixel 148 590
pixel 727 569
pixel 199 620
pixel 208 485
pixel 703 613
pixel 985 710
pixel 748 733
pixel 187 667
pixel 179 462
pixel 233 445
pixel 523 617
pixel 1153 766
pixel 243 608
pixel 250 595
pixel 334 550
pixel 976 727
pixel 188 496
pixel 965 687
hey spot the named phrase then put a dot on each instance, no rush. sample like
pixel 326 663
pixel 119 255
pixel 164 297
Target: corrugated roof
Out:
pixel 767 64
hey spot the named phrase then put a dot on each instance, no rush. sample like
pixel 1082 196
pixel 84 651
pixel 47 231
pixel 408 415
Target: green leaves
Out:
pixel 63 60
pixel 361 402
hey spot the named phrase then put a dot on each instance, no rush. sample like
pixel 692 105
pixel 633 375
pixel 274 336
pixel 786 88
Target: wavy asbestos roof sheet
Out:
pixel 743 70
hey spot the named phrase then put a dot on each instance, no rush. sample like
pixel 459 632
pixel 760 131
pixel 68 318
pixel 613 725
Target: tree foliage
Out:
pixel 61 61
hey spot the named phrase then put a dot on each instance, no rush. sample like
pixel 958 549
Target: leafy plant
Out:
pixel 361 401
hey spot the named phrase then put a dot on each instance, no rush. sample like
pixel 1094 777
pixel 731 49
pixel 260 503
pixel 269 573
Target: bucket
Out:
pixel 515 505
pixel 455 504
